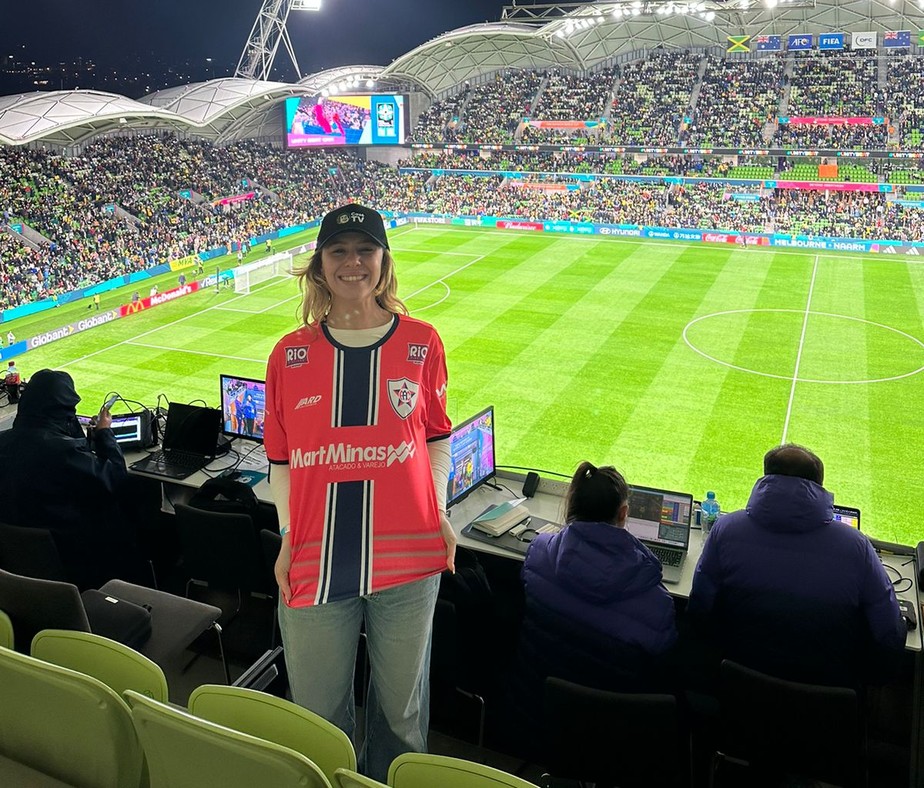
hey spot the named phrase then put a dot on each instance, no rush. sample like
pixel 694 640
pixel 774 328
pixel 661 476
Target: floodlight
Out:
pixel 710 15
pixel 306 5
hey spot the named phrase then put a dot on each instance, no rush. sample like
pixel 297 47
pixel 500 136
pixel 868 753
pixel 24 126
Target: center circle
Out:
pixel 774 339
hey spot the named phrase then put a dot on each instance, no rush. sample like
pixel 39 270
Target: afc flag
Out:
pixel 768 43
pixel 896 38
pixel 800 41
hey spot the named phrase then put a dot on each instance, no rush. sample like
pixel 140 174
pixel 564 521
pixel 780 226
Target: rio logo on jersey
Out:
pixel 417 354
pixel 296 356
pixel 402 394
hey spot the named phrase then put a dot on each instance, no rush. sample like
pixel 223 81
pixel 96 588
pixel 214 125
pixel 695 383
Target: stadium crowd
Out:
pixel 752 86
pixel 124 203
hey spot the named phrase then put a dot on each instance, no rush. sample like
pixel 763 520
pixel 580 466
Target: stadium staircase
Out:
pixel 264 192
pixel 463 108
pixel 31 238
pixel 133 221
pixel 535 104
pixel 697 85
pixel 611 97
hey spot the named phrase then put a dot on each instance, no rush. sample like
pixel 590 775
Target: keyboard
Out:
pixel 667 557
pixel 177 459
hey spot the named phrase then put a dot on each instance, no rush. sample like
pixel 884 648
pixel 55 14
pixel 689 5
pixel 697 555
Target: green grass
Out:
pixel 580 345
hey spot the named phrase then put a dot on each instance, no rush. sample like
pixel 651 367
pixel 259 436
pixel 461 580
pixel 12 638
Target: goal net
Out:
pixel 246 276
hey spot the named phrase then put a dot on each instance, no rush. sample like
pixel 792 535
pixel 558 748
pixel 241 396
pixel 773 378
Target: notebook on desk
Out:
pixel 661 520
pixel 190 440
pixel 507 540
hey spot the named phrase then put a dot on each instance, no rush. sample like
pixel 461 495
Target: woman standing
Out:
pixel 357 437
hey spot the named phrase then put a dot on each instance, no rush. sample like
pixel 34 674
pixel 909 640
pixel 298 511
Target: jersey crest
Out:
pixel 403 394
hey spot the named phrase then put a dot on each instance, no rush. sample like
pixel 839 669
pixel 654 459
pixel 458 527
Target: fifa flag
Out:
pixel 798 42
pixel 894 39
pixel 768 43
pixel 864 40
pixel 738 44
pixel 831 40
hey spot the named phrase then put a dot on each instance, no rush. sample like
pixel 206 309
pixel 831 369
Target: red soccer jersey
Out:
pixel 352 424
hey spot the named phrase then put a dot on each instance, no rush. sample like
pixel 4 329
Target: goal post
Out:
pixel 246 276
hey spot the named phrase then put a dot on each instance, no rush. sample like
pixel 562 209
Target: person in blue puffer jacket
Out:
pixel 596 611
pixel 785 589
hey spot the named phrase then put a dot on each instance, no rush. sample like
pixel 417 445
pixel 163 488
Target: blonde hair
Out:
pixel 316 297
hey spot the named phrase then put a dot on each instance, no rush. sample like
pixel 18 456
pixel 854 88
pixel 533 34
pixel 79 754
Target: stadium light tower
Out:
pixel 269 30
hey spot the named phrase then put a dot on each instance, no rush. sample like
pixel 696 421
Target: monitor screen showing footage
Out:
pixel 362 119
pixel 243 407
pixel 471 445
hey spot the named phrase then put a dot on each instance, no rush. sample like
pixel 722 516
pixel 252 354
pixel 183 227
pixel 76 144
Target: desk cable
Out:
pixel 897 577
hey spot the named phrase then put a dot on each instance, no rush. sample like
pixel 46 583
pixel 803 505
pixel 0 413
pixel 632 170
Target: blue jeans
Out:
pixel 320 646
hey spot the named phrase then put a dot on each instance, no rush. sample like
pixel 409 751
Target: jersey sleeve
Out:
pixel 438 423
pixel 274 433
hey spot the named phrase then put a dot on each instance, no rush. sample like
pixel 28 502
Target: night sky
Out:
pixel 344 32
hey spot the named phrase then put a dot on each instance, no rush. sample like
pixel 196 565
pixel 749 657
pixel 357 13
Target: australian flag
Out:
pixel 799 41
pixel 896 38
pixel 768 43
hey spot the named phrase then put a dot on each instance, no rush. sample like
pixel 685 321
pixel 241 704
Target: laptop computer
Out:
pixel 189 444
pixel 661 520
pixel 847 515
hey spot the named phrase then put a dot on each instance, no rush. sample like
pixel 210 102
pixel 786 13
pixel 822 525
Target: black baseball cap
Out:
pixel 353 218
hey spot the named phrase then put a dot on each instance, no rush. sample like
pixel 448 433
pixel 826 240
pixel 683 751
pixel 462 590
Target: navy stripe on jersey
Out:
pixel 349 516
pixel 357 378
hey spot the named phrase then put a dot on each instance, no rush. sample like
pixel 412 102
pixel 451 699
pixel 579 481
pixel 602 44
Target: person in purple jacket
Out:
pixel 785 589
pixel 596 611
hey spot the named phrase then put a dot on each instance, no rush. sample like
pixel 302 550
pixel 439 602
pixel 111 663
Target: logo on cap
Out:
pixel 343 218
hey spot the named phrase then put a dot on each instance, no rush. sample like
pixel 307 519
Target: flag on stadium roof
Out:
pixel 738 44
pixel 896 38
pixel 799 41
pixel 831 40
pixel 864 40
pixel 768 43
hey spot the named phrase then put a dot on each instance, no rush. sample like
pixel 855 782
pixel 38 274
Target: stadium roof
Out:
pixel 584 37
pixel 224 109
pixel 595 33
pixel 66 117
pixel 459 55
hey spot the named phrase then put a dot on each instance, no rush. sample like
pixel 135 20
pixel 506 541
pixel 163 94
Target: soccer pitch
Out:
pixel 680 364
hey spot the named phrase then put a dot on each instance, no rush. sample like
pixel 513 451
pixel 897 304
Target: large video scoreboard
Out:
pixel 355 119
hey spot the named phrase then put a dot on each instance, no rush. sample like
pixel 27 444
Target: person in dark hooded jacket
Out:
pixel 596 611
pixel 52 477
pixel 783 588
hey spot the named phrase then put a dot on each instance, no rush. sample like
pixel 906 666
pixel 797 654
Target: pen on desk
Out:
pixel 525 521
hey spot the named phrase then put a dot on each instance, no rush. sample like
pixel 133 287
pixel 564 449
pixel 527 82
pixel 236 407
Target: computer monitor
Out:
pixel 472 447
pixel 243 407
pixel 847 515
pixel 660 516
pixel 131 430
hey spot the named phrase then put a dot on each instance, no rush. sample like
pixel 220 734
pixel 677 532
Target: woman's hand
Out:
pixel 449 538
pixel 281 569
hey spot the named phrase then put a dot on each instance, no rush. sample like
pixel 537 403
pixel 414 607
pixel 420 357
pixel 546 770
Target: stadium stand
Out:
pixel 754 87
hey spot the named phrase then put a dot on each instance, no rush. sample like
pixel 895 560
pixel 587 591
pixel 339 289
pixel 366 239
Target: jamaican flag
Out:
pixel 738 44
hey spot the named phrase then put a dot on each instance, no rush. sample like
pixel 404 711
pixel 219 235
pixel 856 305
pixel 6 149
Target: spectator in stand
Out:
pixel 53 477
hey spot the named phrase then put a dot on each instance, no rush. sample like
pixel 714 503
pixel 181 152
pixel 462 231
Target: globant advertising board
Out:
pixel 362 119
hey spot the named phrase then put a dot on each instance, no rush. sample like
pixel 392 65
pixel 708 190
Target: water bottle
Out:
pixel 711 511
